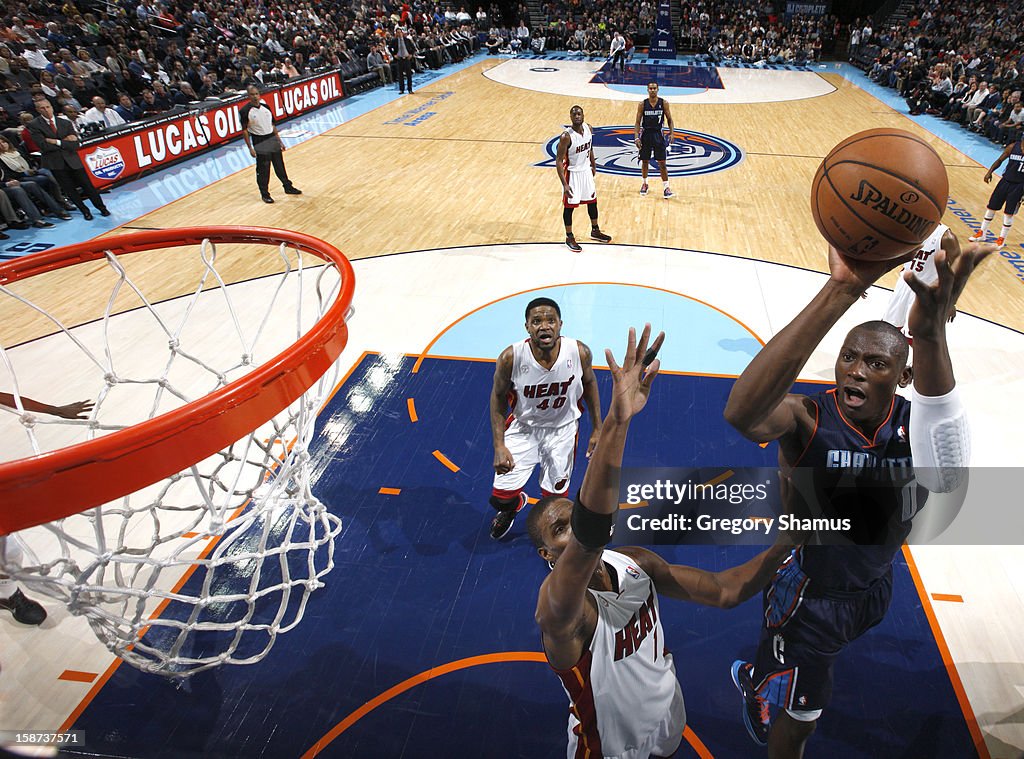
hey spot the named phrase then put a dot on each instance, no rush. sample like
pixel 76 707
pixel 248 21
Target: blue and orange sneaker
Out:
pixel 756 716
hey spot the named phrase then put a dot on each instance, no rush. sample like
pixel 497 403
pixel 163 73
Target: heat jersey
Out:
pixel 578 153
pixel 547 397
pixel 623 686
pixel 923 267
pixel 871 482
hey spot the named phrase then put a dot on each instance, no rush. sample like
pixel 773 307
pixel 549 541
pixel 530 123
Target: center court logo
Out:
pixel 692 153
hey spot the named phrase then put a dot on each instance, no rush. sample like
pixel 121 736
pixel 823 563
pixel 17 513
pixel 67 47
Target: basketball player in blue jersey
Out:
pixel 825 596
pixel 598 610
pixel 649 135
pixel 1008 192
pixel 576 171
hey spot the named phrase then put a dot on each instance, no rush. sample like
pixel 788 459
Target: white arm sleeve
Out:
pixel 940 440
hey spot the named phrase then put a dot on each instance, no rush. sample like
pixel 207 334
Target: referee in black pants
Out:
pixel 264 145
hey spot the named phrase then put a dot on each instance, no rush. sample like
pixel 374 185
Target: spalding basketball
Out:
pixel 879 193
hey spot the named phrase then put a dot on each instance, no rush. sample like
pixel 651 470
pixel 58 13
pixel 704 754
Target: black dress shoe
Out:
pixel 87 215
pixel 18 224
pixel 104 211
pixel 293 190
pixel 64 216
pixel 267 199
pixel 41 224
pixel 4 237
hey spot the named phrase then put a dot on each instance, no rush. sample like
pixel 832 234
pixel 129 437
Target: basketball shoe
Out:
pixel 24 609
pixel 755 709
pixel 978 236
pixel 503 520
pixel 571 244
pixel 597 234
pixel 1000 241
pixel 643 188
pixel 668 193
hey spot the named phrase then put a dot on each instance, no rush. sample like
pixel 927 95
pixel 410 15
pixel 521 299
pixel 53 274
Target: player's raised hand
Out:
pixel 933 303
pixel 861 273
pixel 631 382
pixel 503 461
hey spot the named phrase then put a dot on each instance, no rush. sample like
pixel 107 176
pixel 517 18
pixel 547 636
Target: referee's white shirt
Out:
pixel 261 123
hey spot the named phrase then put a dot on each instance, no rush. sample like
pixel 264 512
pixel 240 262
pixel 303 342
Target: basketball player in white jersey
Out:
pixel 922 266
pixel 542 383
pixel 576 170
pixel 598 610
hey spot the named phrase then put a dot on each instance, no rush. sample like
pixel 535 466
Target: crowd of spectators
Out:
pixel 118 62
pixel 958 61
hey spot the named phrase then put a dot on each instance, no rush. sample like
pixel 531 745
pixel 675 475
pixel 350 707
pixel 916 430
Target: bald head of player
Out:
pixel 548 526
pixel 870 366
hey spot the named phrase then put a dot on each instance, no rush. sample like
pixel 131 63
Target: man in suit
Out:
pixel 403 50
pixel 58 144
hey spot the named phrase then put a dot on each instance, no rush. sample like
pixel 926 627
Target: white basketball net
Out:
pixel 207 566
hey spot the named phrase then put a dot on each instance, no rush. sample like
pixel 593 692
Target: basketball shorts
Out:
pixel 553 448
pixel 652 144
pixel 662 742
pixel 898 310
pixel 583 188
pixel 1007 196
pixel 803 632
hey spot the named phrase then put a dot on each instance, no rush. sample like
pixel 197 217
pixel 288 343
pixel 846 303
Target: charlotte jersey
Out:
pixel 654 120
pixel 622 687
pixel 842 474
pixel 1015 164
pixel 578 154
pixel 546 397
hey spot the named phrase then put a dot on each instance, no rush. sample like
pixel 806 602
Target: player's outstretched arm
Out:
pixel 591 397
pixel 1002 157
pixel 759 405
pixel 933 369
pixel 561 605
pixel 724 589
pixel 503 462
pixel 76 410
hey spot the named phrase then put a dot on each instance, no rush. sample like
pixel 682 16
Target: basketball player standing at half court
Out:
pixel 1008 192
pixel 649 135
pixel 922 266
pixel 543 381
pixel 576 171
pixel 826 596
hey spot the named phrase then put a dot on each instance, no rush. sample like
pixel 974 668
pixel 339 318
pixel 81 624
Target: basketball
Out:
pixel 879 193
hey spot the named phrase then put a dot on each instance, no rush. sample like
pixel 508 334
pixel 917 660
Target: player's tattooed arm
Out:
pixel 503 461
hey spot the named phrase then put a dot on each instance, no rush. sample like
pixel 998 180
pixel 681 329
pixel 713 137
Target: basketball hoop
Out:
pixel 211 480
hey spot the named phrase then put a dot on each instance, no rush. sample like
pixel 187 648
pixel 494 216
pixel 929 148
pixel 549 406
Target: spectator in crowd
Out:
pixel 127 108
pixel 101 114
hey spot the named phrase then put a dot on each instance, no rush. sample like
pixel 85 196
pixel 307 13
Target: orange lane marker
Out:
pixel 641 505
pixel 390 491
pixel 74 676
pixel 696 744
pixel 947 659
pixel 947 597
pixel 445 460
pixel 411 405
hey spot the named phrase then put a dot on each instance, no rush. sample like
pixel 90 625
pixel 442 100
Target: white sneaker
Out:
pixel 643 188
